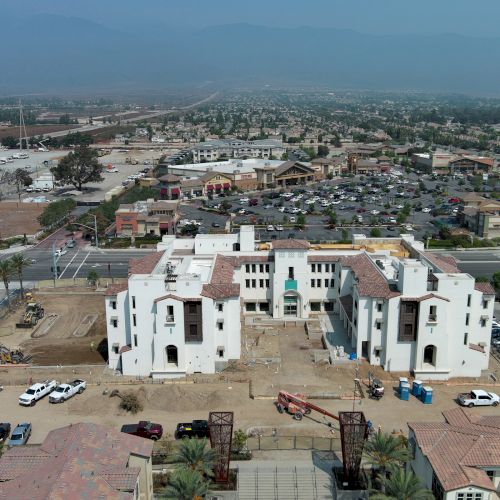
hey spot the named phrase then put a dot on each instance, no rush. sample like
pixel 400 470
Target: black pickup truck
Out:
pixel 196 428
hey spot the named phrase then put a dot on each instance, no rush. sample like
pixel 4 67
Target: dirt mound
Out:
pixel 91 405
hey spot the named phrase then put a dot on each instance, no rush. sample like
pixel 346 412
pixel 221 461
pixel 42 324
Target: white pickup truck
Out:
pixel 36 392
pixel 65 391
pixel 478 397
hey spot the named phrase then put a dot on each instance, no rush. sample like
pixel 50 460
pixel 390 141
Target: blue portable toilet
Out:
pixel 417 388
pixel 402 380
pixel 426 395
pixel 404 391
pixel 353 356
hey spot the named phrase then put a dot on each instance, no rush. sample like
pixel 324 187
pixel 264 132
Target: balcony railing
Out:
pixel 432 318
pixel 170 319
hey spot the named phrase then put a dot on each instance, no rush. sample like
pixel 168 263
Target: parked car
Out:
pixel 65 391
pixel 244 200
pixel 196 428
pixel 36 392
pixel 144 429
pixel 215 224
pixel 478 397
pixel 253 202
pixel 270 227
pixel 4 431
pixel 20 435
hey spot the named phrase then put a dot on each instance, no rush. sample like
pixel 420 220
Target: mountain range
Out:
pixel 56 54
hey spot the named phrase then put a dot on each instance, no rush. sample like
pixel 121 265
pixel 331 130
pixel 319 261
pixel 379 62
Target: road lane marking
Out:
pixel 64 270
pixel 83 262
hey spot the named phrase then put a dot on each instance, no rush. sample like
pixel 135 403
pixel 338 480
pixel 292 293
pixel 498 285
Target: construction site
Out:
pixel 51 329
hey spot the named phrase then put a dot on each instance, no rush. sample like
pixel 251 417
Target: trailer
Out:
pixel 296 405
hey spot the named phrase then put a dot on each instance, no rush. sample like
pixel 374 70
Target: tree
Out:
pixel 384 450
pixel 482 279
pixel 402 485
pixel 496 280
pixel 93 277
pixel 79 167
pixel 18 263
pixel 375 232
pixel 186 484
pixel 345 234
pixel 301 220
pixel 239 440
pixel 56 212
pixel 195 456
pixel 323 151
pixel 5 273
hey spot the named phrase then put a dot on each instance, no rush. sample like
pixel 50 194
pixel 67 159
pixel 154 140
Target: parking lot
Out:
pixel 360 204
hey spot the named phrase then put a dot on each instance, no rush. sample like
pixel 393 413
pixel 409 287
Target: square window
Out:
pixel 247 268
pixel 261 283
pixel 267 283
pixel 466 338
pixel 327 268
pixel 254 283
pixel 467 318
pixel 114 323
pixel 326 283
pixel 483 322
pixel 220 352
pixel 319 268
pixel 315 306
pixel 253 268
pixel 264 306
pixel 116 349
pixel 250 306
pixel 469 297
pixel 332 283
pixel 379 307
pixel 133 302
pixel 318 283
pixel 135 340
pixel 329 306
pixel 267 268
pixel 134 320
pixel 247 283
pixel 313 283
pixel 220 325
pixel 220 306
pixel 313 268
pixel 113 304
pixel 261 268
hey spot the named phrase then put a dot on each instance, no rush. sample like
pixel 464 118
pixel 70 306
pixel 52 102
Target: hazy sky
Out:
pixel 468 17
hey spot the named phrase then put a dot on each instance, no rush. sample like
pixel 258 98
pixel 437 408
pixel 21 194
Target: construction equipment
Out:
pixel 34 311
pixel 375 387
pixel 8 356
pixel 296 405
pixel 131 161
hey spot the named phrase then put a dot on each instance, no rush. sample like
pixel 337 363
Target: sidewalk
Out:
pixel 15 249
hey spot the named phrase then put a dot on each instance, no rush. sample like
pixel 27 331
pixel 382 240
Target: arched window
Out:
pixel 430 355
pixel 172 354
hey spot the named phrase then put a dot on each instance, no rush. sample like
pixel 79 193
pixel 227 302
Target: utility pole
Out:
pixel 54 262
pixel 95 228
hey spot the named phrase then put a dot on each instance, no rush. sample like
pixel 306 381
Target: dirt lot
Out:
pixel 62 343
pixel 15 215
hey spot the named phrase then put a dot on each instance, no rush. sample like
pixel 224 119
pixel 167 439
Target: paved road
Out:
pixel 477 263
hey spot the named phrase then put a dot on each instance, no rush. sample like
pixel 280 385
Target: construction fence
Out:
pixel 269 443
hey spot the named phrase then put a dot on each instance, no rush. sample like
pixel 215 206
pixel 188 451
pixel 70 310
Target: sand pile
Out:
pixel 97 404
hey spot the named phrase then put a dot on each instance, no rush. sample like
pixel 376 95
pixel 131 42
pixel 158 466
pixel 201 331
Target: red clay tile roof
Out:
pixel 425 297
pixel 486 288
pixel 125 348
pixel 116 289
pixel 442 263
pixel 175 297
pixel 290 244
pixel 221 284
pixel 84 461
pixel 370 282
pixel 458 448
pixel 144 265
pixel 246 259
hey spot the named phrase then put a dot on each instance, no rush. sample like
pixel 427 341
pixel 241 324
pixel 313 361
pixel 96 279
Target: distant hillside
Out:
pixel 51 53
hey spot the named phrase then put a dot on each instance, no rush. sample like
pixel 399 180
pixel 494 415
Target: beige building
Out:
pixel 482 216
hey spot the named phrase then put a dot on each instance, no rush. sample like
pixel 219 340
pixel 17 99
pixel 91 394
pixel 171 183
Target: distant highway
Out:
pixel 89 128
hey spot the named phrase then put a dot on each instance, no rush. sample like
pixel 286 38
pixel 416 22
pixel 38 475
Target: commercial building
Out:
pixel 234 148
pixel 81 460
pixel 472 165
pixel 458 459
pixel 147 217
pixel 481 215
pixel 394 304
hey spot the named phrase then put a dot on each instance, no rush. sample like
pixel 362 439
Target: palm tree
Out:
pixel 186 484
pixel 384 450
pixel 402 485
pixel 5 273
pixel 192 453
pixel 18 263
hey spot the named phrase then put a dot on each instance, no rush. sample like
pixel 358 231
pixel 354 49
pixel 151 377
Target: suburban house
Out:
pixel 458 459
pixel 389 302
pixel 81 460
pixel 147 217
pixel 481 216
